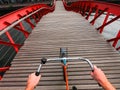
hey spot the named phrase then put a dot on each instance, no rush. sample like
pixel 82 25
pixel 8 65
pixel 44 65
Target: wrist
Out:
pixel 107 85
pixel 29 87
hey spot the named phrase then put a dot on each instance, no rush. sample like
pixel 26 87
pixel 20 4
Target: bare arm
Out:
pixel 32 81
pixel 100 77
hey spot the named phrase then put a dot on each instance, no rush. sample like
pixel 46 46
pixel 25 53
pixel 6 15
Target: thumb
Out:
pixel 91 74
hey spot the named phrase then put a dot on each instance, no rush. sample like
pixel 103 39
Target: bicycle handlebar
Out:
pixel 38 70
pixel 74 58
pixel 44 60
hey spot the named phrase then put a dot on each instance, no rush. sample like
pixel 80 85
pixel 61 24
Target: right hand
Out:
pixel 32 81
pixel 100 77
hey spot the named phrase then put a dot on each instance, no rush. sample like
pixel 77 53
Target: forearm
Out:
pixel 29 88
pixel 101 78
pixel 107 86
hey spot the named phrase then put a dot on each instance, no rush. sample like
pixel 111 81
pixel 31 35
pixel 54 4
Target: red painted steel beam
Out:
pixel 116 40
pixel 104 22
pixel 19 29
pixel 66 6
pixel 11 40
pixel 109 22
pixel 30 23
pixel 23 31
pixel 99 15
pixel 90 11
pixel 10 44
pixel 102 5
pixel 13 16
pixel 34 17
pixel 4 69
pixel 118 48
pixel 112 8
pixel 113 39
pixel 96 14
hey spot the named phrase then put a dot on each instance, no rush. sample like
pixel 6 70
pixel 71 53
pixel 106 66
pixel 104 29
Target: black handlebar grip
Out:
pixel 98 83
pixel 43 61
pixel 37 73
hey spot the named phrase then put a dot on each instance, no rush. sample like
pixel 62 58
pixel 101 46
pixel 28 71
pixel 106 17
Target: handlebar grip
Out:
pixel 37 73
pixel 43 61
pixel 98 83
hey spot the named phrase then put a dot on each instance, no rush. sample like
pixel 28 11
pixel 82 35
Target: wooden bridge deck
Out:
pixel 63 29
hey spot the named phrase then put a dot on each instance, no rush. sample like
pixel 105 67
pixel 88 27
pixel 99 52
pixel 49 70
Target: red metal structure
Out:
pixel 15 20
pixel 86 8
pixel 4 69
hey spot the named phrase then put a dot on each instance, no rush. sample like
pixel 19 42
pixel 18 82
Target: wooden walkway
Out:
pixel 63 29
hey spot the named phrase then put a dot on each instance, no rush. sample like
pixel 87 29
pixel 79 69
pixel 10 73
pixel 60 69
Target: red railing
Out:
pixel 35 11
pixel 14 20
pixel 3 69
pixel 86 8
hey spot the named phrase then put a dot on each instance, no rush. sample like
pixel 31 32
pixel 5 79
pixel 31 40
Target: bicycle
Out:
pixel 64 59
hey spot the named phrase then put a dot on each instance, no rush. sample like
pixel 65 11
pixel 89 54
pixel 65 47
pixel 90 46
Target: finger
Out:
pixel 91 74
pixel 95 67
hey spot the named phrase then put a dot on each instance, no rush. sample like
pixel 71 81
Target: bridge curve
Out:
pixel 69 30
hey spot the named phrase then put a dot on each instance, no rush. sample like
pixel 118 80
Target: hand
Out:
pixel 32 81
pixel 100 77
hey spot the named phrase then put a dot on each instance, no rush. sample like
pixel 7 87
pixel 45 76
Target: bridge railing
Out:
pixel 15 27
pixel 107 14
